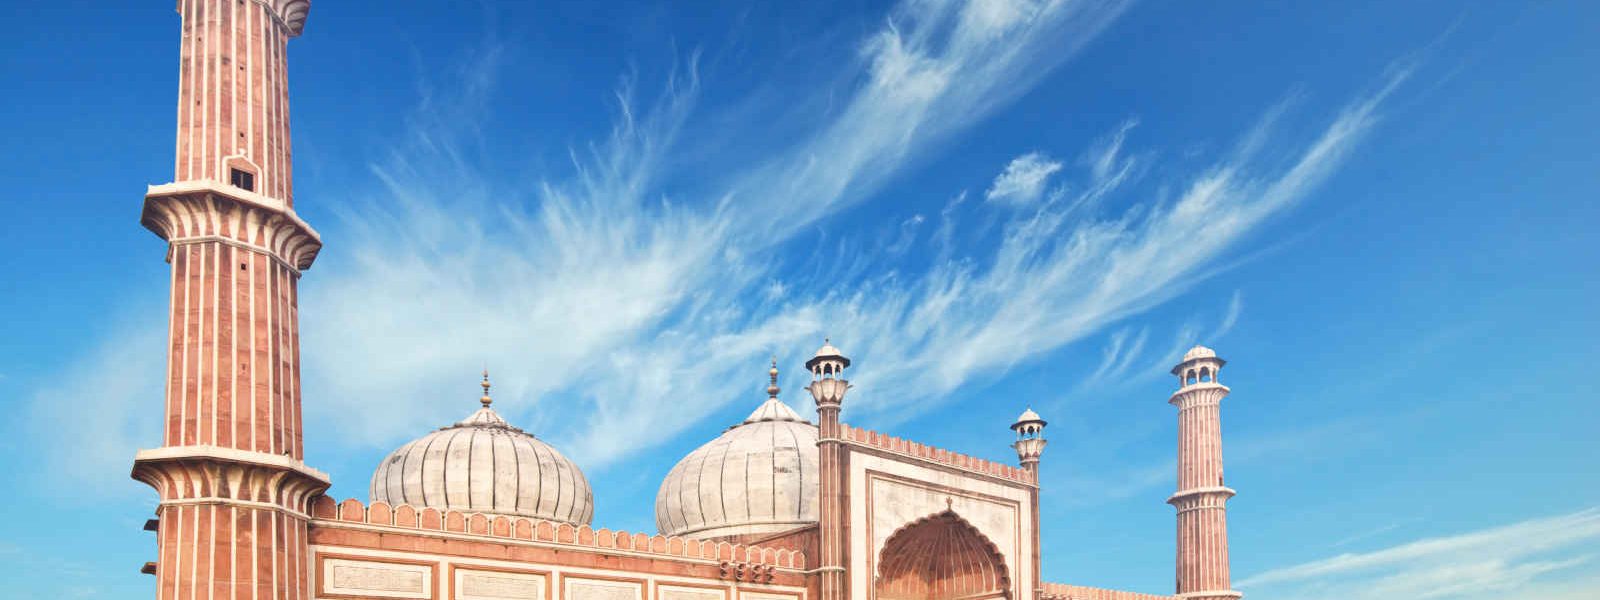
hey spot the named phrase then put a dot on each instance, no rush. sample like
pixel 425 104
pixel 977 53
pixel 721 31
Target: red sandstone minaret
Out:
pixel 1029 446
pixel 828 387
pixel 1201 498
pixel 234 489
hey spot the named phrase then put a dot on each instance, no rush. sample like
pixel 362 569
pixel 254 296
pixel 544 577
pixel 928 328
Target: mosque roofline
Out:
pixel 950 459
pixel 501 529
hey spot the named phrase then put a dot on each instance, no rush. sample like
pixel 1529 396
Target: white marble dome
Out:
pixel 759 476
pixel 1199 352
pixel 483 464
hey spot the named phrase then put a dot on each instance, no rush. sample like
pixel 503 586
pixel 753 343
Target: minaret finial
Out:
pixel 772 387
pixel 485 399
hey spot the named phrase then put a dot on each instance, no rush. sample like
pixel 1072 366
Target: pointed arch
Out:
pixel 941 557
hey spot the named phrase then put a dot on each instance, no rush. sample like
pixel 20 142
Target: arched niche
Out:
pixel 941 557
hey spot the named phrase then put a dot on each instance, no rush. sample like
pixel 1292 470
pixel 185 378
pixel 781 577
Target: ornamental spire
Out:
pixel 772 387
pixel 486 400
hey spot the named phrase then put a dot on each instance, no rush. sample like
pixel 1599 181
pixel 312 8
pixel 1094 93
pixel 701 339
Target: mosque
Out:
pixel 780 506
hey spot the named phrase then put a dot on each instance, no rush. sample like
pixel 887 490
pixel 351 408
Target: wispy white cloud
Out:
pixel 1023 181
pixel 100 409
pixel 1550 553
pixel 1231 318
pixel 603 305
pixel 1054 279
pixel 607 307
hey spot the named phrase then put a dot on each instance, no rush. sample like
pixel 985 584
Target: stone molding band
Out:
pixel 224 501
pixel 1211 594
pixel 193 210
pixel 291 14
pixel 227 241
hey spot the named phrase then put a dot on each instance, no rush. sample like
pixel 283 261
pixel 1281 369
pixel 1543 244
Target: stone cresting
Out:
pixel 962 462
pixel 325 510
pixel 1059 591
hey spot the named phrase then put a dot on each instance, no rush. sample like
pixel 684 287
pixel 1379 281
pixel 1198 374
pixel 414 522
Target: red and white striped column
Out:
pixel 1201 499
pixel 234 489
pixel 828 388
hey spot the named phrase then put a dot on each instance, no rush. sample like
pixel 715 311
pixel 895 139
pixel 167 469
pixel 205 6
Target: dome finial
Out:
pixel 486 400
pixel 772 387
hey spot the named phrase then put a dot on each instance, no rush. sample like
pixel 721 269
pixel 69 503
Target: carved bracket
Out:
pixel 746 572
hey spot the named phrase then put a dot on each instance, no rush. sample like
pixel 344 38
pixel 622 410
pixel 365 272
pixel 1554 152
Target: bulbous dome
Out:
pixel 483 464
pixel 759 476
pixel 1199 352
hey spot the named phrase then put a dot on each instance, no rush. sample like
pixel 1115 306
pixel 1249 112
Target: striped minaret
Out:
pixel 231 522
pixel 828 387
pixel 1202 498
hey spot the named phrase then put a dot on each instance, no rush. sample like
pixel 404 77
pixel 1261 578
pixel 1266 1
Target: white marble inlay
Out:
pixel 495 585
pixel 676 592
pixel 377 579
pixel 597 589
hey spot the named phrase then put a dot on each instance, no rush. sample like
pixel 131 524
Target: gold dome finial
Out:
pixel 485 399
pixel 772 388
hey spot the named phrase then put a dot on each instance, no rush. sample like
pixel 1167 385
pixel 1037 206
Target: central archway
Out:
pixel 941 557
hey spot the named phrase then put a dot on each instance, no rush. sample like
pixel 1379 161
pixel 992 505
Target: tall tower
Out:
pixel 234 490
pixel 828 388
pixel 1201 498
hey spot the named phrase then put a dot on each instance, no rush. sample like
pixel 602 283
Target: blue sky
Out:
pixel 1382 214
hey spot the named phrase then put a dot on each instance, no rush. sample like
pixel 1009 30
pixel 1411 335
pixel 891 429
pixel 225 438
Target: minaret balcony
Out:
pixel 202 211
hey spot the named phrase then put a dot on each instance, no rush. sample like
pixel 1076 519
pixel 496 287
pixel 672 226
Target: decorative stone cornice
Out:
pixel 290 13
pixel 1061 591
pixel 216 475
pixel 969 464
pixel 201 211
pixel 1197 498
pixel 1199 394
pixel 380 516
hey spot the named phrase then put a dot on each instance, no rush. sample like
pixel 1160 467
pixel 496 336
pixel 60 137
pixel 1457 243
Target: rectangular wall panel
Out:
pixel 667 591
pixel 342 577
pixel 601 589
pixel 476 584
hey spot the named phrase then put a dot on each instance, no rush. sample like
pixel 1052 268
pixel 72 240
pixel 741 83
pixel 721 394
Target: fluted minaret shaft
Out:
pixel 233 92
pixel 234 490
pixel 1201 499
pixel 828 388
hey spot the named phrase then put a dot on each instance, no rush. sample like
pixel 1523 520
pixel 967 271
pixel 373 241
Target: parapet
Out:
pixel 1061 591
pixel 583 537
pixel 963 462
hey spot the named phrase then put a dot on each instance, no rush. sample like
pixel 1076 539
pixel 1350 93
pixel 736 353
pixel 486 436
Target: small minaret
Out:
pixel 1029 445
pixel 1201 498
pixel 233 486
pixel 1030 440
pixel 828 388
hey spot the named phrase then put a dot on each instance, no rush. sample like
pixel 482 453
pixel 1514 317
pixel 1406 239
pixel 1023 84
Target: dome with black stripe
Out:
pixel 483 464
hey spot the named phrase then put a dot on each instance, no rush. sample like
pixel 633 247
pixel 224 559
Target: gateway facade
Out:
pixel 776 508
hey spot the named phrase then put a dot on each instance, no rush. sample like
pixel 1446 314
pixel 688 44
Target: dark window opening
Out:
pixel 243 180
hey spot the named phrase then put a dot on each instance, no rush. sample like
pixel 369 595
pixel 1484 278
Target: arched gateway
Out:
pixel 941 557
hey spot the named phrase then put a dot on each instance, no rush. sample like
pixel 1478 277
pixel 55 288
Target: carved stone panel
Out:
pixel 600 589
pixel 676 592
pixel 496 585
pixel 376 579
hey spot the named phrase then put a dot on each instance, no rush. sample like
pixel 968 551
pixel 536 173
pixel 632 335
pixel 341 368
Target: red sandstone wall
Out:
pixel 233 94
pixel 501 537
pixel 1060 591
